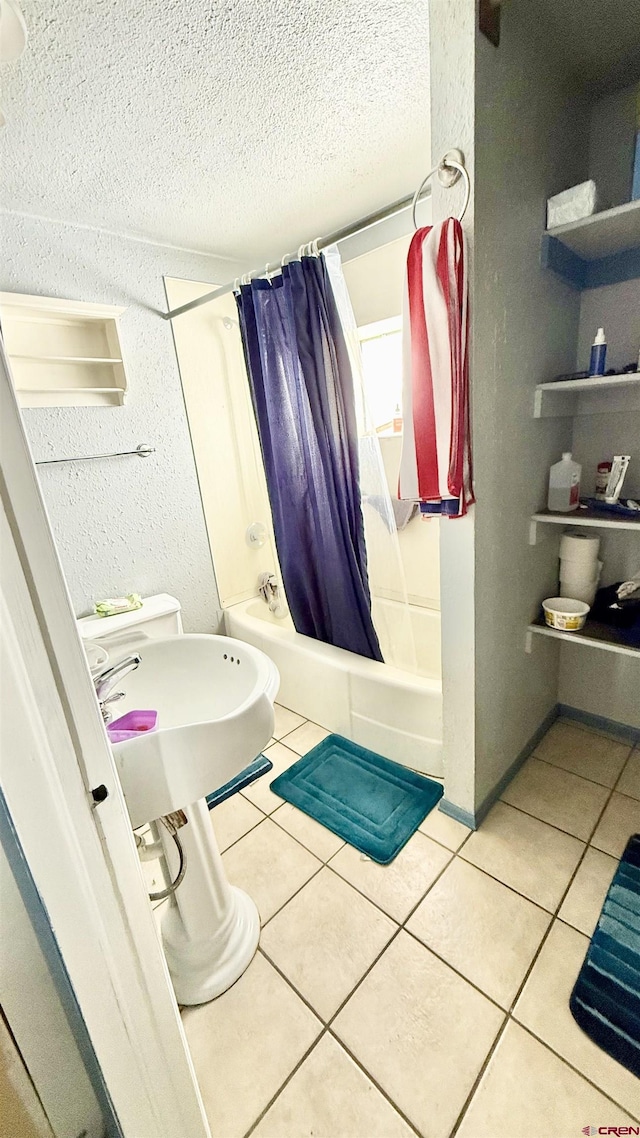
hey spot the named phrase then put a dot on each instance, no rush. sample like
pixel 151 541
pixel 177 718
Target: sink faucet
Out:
pixel 105 680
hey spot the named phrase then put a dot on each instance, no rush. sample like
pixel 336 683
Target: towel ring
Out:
pixel 449 169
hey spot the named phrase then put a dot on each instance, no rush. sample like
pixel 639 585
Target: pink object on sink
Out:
pixel 132 724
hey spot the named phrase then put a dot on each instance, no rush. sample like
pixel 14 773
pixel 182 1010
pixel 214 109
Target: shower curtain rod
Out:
pixel 322 243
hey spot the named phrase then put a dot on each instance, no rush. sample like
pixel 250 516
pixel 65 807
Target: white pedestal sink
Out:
pixel 214 697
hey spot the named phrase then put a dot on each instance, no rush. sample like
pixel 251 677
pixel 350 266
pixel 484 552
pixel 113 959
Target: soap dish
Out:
pixel 132 724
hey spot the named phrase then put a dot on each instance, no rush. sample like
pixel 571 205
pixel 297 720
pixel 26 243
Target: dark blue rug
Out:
pixel 605 1001
pixel 261 765
pixel 374 804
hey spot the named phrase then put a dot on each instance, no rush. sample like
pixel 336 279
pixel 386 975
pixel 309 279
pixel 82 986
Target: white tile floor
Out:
pixel 429 997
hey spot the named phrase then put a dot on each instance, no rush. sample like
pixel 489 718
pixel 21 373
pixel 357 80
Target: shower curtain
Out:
pixel 302 388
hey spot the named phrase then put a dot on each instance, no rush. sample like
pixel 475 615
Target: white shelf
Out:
pixel 603 233
pixel 68 359
pixel 63 353
pixel 593 382
pixel 594 637
pixel 597 394
pixel 68 390
pixel 589 519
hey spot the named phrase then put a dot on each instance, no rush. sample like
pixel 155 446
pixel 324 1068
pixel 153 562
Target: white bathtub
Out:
pixel 393 712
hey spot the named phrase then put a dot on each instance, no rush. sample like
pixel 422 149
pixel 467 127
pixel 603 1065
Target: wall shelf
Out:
pixel 69 359
pixel 594 395
pixel 609 231
pixel 593 635
pixel 63 353
pixel 597 250
pixel 585 518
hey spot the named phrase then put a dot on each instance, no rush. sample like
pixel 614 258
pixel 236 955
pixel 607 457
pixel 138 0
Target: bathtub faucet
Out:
pixel 271 594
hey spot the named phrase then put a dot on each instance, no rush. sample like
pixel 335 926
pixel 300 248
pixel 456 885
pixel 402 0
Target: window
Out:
pixel 381 345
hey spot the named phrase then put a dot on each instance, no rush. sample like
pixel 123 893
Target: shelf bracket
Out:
pixel 528 642
pixel 538 532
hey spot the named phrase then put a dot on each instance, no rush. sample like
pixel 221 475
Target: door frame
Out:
pixel 82 857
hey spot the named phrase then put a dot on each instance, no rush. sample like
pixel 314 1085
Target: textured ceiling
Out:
pixel 241 127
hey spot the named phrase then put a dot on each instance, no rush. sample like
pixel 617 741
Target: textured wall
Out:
pixel 120 524
pixel 452 57
pixel 531 140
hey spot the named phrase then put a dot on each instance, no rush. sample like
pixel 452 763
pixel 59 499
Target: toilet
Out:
pixel 159 616
pixel 210 929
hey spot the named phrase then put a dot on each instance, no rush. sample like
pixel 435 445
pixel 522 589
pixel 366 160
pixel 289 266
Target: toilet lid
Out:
pixel 99 627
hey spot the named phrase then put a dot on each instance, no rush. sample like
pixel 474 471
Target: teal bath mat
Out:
pixel 374 804
pixel 606 998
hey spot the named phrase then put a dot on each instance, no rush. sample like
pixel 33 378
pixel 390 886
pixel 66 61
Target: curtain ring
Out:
pixel 314 247
pixel 236 286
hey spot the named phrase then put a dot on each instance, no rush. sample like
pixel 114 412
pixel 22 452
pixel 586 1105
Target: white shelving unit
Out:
pixel 589 519
pixel 595 395
pixel 601 249
pixel 593 635
pixel 63 353
pixel 601 234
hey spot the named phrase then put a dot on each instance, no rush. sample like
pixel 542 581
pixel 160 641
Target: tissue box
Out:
pixel 571 205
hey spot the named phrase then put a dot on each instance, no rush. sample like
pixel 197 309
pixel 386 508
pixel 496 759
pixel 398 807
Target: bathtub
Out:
pixel 393 712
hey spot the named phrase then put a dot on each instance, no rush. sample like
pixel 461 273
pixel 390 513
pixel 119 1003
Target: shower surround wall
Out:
pixel 120 524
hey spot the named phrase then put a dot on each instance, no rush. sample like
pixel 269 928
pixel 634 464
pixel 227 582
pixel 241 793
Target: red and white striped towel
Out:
pixel 435 468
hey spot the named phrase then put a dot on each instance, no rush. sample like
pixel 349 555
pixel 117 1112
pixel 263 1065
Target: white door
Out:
pixel 82 860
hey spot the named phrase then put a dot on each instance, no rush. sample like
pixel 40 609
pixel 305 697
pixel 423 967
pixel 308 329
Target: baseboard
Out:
pixel 473 820
pixel 457 813
pixel 600 723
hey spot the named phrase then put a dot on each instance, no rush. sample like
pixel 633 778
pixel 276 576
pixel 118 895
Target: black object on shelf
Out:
pixel 622 614
pixel 570 375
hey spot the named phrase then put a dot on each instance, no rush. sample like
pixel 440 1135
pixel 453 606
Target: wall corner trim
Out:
pixel 474 819
pixel 493 795
pixel 458 814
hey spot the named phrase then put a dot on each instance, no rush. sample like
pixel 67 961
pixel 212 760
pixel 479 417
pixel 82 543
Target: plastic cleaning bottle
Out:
pixel 598 354
pixel 564 485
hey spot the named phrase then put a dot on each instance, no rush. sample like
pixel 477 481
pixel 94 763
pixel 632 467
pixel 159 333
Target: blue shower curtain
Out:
pixel 302 389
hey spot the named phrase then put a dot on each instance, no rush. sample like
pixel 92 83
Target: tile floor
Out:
pixel 429 997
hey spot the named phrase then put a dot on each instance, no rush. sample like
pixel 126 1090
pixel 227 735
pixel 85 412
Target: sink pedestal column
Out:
pixel 211 929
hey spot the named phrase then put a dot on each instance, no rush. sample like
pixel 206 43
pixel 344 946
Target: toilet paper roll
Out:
pixel 579 578
pixel 582 592
pixel 580 574
pixel 580 548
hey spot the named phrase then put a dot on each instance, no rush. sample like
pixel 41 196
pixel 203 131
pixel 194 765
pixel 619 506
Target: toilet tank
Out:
pixel 159 616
